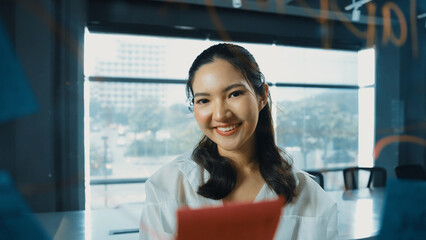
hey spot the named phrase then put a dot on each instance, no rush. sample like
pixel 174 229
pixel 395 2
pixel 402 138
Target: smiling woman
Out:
pixel 237 159
pixel 235 95
pixel 225 106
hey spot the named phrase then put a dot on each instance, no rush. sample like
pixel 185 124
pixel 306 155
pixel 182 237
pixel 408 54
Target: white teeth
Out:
pixel 227 129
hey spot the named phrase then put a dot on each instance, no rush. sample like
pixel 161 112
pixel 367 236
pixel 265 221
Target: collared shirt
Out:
pixel 311 214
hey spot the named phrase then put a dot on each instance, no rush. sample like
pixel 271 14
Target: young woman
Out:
pixel 237 159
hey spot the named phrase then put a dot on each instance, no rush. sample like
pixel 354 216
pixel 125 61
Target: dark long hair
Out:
pixel 274 165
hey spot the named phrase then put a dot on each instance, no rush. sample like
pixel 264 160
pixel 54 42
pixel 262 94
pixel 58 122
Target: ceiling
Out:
pixel 311 8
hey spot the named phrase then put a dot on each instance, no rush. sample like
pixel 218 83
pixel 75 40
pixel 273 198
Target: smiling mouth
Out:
pixel 228 130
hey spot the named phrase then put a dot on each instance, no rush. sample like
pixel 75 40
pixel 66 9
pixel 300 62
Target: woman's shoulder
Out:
pixel 306 185
pixel 181 166
pixel 305 180
pixel 310 196
pixel 182 173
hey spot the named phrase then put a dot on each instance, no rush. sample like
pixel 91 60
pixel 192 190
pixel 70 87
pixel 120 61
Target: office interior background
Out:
pixel 108 78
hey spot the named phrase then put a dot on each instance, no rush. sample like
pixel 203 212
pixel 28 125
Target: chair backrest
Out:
pixel 318 177
pixel 411 171
pixel 376 178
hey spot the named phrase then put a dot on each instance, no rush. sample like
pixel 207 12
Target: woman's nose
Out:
pixel 220 110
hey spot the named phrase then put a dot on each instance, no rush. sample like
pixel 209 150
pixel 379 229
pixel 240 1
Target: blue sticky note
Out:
pixel 16 96
pixel 16 219
pixel 404 212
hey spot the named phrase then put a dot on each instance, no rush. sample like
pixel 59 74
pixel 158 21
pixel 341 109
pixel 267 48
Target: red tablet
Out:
pixel 255 221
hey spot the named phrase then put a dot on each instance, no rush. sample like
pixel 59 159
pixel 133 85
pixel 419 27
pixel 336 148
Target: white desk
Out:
pixel 359 212
pixel 93 225
pixel 359 218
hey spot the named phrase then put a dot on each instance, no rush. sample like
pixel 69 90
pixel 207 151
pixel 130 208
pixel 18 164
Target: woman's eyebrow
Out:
pixel 201 95
pixel 232 86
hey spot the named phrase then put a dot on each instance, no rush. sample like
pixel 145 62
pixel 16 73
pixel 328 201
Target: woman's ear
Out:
pixel 264 99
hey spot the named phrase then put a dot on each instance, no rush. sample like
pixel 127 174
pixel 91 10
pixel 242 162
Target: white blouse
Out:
pixel 311 214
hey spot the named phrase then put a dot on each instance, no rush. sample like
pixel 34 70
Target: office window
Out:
pixel 137 119
pixel 318 127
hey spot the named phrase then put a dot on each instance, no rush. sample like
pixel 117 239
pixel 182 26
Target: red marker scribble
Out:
pixel 388 33
pixel 396 138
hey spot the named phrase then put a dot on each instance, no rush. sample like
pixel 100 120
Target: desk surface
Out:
pixel 105 224
pixel 359 213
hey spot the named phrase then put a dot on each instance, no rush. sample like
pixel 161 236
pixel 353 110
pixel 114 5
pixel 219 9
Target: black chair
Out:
pixel 377 177
pixel 410 171
pixel 318 177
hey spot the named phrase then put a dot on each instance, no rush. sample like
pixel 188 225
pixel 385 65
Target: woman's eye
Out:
pixel 236 94
pixel 202 101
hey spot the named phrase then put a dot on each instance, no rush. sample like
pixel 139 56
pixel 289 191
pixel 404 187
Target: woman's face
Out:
pixel 226 108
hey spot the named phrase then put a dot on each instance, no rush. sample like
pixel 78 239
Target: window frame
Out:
pixel 205 35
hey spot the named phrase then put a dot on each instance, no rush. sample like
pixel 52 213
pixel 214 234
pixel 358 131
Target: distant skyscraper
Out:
pixel 132 60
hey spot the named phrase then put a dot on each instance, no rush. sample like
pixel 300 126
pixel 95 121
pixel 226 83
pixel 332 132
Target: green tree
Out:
pixel 148 115
pixel 183 129
pixel 146 118
pixel 324 121
pixel 291 128
pixel 175 120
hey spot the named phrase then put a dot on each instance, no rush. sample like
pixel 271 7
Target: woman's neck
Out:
pixel 242 158
pixel 248 185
